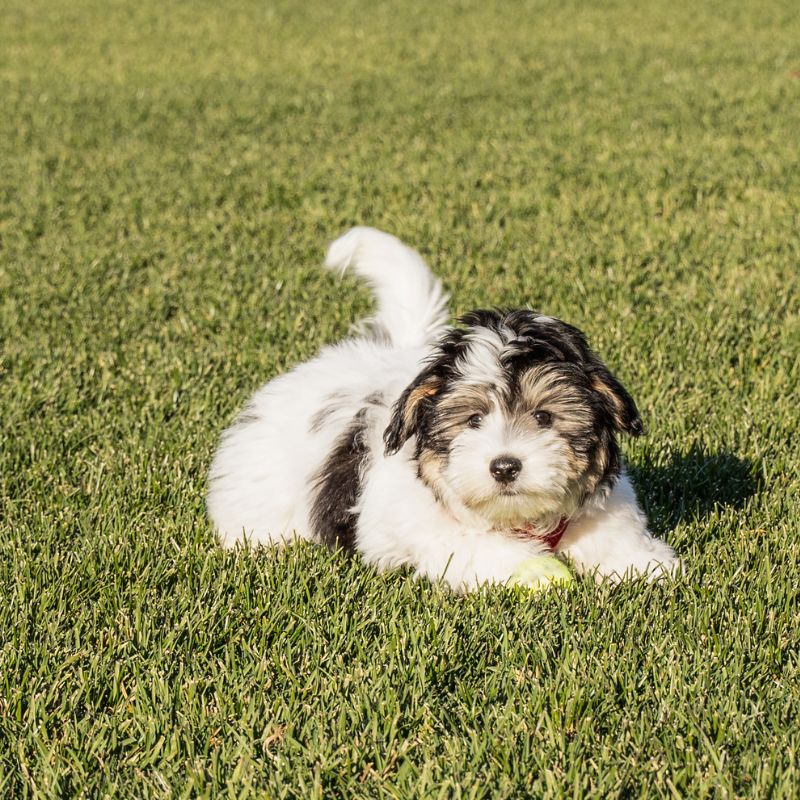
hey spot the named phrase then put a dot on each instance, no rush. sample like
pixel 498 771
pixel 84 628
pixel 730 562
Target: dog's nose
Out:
pixel 505 468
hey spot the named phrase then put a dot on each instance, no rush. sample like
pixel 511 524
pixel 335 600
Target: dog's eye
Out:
pixel 544 418
pixel 475 420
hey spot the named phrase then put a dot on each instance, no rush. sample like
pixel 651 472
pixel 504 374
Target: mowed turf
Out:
pixel 169 177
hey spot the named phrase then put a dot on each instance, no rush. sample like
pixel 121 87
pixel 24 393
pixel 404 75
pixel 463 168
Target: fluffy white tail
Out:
pixel 412 308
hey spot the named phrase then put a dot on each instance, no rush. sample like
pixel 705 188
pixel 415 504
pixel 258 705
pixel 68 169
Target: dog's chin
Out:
pixel 509 508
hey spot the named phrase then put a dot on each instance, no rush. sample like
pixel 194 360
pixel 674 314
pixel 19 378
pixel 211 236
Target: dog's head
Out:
pixel 515 418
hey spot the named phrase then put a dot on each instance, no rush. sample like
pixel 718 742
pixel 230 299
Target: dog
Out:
pixel 456 452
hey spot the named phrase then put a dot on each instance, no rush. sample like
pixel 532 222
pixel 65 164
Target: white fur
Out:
pixel 262 476
pixel 482 365
pixel 412 308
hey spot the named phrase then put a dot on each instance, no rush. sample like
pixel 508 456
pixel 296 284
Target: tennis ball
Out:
pixel 541 572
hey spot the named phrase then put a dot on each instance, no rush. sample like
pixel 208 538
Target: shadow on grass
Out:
pixel 692 485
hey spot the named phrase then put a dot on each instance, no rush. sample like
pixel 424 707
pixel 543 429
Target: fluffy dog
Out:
pixel 457 452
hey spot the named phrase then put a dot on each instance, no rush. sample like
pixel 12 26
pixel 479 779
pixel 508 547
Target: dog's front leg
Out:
pixel 613 542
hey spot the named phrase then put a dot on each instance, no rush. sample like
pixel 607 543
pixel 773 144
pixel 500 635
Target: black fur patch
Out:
pixel 338 485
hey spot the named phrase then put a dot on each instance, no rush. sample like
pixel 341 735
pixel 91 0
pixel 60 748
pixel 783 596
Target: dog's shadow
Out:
pixel 690 486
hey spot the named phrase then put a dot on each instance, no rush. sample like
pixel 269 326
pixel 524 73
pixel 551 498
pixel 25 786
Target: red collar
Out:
pixel 551 539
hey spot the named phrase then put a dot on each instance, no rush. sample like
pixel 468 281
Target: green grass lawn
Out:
pixel 169 177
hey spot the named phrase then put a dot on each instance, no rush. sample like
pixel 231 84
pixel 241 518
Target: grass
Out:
pixel 171 174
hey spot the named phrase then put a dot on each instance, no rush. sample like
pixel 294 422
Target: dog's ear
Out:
pixel 616 400
pixel 409 410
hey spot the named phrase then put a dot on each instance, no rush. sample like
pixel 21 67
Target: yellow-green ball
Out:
pixel 541 572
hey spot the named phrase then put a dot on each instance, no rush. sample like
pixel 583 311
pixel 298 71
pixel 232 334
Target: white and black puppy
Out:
pixel 456 452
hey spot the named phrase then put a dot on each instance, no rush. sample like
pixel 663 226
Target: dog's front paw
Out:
pixel 668 565
pixel 657 560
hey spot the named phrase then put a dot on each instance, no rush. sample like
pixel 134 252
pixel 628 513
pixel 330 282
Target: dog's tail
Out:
pixel 412 307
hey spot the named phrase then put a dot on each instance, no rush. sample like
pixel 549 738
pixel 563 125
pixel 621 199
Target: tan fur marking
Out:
pixel 417 396
pixel 544 388
pixel 603 388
